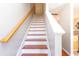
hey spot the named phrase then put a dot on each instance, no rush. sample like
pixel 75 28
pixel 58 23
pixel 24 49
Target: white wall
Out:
pixel 51 37
pixel 54 34
pixel 10 15
pixel 65 23
pixel 55 7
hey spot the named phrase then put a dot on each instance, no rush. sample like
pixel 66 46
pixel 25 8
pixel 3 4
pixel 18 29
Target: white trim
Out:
pixel 20 48
pixel 66 51
pixel 54 24
pixel 49 51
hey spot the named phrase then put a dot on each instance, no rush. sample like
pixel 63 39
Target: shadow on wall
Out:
pixel 65 23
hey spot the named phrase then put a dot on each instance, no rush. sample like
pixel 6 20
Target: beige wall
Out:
pixel 39 9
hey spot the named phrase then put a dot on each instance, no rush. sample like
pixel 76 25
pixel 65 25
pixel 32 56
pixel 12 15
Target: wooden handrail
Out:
pixel 13 31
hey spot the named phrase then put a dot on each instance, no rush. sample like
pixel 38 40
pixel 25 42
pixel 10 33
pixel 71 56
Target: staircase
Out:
pixel 35 41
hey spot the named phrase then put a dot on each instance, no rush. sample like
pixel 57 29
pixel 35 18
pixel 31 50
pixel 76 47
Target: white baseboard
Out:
pixel 66 51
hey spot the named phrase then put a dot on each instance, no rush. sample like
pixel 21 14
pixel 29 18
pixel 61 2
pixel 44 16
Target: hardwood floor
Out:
pixel 64 53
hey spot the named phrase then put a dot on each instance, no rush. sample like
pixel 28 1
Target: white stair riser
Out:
pixel 36 37
pixel 37 32
pixel 38 26
pixel 35 43
pixel 34 51
pixel 37 29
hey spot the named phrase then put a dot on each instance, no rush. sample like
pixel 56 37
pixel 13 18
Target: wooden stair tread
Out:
pixel 39 54
pixel 36 27
pixel 35 47
pixel 36 40
pixel 36 34
pixel 38 24
pixel 36 30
